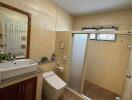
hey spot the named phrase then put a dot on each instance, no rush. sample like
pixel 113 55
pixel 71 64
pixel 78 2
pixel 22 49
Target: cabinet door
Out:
pixel 0 95
pixel 10 92
pixel 20 92
pixel 30 89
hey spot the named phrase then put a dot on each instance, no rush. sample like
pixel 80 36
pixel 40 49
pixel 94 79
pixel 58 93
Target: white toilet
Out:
pixel 53 86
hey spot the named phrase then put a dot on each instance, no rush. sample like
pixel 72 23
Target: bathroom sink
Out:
pixel 17 67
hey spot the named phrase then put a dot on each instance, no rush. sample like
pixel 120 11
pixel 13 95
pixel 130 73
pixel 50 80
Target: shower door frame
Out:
pixel 84 62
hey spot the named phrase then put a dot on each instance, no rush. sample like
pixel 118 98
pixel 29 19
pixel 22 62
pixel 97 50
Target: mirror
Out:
pixel 14 31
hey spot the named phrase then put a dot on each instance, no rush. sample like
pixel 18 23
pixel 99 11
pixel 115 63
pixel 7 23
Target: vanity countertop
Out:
pixel 20 78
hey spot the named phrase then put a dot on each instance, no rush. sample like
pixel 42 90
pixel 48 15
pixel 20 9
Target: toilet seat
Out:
pixel 56 82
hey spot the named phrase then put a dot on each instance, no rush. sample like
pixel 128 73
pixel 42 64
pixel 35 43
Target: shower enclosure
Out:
pixel 98 62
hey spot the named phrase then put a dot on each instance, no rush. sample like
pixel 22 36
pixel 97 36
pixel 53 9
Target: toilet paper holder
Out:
pixel 60 69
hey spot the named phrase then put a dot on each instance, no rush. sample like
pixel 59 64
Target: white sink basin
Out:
pixel 17 67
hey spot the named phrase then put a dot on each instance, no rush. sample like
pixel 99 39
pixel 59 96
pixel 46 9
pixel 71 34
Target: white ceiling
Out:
pixel 83 7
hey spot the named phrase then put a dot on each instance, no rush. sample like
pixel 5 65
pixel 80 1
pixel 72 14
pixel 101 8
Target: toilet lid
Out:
pixel 55 82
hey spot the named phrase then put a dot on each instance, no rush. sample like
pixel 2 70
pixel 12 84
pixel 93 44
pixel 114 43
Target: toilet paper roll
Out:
pixel 60 69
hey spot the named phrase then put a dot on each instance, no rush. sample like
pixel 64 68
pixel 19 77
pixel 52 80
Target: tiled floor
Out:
pixel 92 91
pixel 69 96
pixel 97 93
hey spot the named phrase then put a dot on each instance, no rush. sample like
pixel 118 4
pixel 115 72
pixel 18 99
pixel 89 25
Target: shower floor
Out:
pixel 97 93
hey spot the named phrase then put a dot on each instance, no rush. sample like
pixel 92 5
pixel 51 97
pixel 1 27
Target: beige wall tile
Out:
pixel 120 18
pixel 106 63
pixel 63 36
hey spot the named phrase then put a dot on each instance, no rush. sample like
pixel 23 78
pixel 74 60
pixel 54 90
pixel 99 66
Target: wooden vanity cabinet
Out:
pixel 25 90
pixel 10 93
pixel 0 95
pixel 30 89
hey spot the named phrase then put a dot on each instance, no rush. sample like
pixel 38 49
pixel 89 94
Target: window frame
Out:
pixel 95 36
pixel 107 40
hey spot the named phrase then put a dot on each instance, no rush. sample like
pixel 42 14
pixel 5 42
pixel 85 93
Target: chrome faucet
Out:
pixel 12 57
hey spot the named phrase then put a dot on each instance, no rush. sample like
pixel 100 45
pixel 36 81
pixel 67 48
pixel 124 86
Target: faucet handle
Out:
pixel 14 56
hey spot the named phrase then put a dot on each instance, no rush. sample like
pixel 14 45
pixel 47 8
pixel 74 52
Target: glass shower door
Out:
pixel 79 44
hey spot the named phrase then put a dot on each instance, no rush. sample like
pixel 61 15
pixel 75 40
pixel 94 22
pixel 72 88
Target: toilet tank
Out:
pixel 47 74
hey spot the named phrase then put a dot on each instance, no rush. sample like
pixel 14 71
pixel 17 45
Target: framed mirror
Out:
pixel 15 28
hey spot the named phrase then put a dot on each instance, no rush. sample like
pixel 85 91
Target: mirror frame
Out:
pixel 29 24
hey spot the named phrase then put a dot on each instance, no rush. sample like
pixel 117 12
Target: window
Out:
pixel 92 36
pixel 106 37
pixel 103 34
